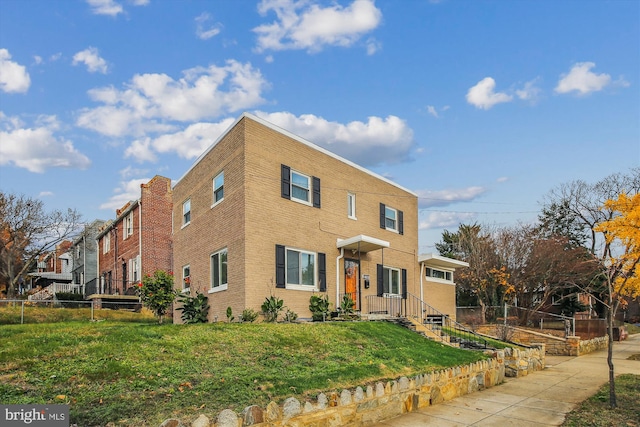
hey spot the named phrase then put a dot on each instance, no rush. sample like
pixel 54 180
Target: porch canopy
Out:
pixel 441 261
pixel 362 243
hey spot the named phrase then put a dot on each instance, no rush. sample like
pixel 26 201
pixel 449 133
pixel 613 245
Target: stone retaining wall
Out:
pixel 381 401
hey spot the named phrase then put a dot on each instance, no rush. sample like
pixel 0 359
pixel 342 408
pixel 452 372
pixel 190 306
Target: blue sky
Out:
pixel 480 107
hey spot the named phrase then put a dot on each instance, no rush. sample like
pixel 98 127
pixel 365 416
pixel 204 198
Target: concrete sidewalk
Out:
pixel 539 399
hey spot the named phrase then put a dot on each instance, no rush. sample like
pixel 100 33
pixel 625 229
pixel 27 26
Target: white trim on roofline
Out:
pixel 297 138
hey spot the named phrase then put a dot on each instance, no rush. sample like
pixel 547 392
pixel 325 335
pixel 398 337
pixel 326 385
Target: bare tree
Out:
pixel 27 231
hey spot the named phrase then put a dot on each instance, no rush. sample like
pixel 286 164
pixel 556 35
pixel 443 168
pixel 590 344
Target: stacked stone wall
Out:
pixel 377 402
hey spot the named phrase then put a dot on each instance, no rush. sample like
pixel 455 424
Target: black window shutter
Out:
pixel 383 222
pixel 400 222
pixel 380 280
pixel 404 284
pixel 322 272
pixel 316 192
pixel 280 267
pixel 285 181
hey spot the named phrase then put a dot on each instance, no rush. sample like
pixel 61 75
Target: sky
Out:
pixel 479 107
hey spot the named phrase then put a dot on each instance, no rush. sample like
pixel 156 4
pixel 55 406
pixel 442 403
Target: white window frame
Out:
pixel 447 275
pixel 308 189
pixel 106 243
pixel 351 206
pixel 388 218
pixel 387 273
pixel 300 286
pixel 220 187
pixel 221 286
pixel 186 273
pixel 186 214
pixel 127 226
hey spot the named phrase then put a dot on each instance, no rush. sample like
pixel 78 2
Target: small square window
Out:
pixel 218 188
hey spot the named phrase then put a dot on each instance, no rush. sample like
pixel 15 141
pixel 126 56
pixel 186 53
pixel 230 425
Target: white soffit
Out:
pixel 362 243
pixel 441 261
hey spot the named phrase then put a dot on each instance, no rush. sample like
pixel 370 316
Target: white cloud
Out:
pixel 428 198
pixel 105 7
pixel 129 171
pixel 46 194
pixel 37 59
pixel 13 76
pixel 305 25
pixel 529 92
pixel 582 80
pixel 188 143
pixel 205 30
pixel 91 58
pixel 444 219
pixel 377 141
pixel 151 102
pixel 482 95
pixel 55 57
pixel 112 7
pixel 502 179
pixel 432 110
pixel 38 149
pixel 125 192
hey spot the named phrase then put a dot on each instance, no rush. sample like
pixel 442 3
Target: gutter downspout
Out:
pixel 338 276
pixel 421 293
pixel 139 272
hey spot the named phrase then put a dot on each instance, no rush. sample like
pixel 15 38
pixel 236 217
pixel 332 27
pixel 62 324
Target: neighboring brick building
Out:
pixel 137 242
pixel 264 212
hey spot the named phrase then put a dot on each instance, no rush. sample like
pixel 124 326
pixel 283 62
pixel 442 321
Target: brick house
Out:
pixel 264 212
pixel 136 243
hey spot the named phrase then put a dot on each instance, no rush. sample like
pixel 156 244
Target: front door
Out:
pixel 352 280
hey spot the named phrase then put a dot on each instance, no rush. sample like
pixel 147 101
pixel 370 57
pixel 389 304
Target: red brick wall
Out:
pixel 156 225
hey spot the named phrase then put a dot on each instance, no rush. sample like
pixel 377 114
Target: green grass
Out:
pixel 141 374
pixel 632 329
pixel 11 314
pixel 595 411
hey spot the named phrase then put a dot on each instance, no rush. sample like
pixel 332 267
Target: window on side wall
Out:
pixel 186 212
pixel 391 281
pixel 299 187
pixel 439 274
pixel 128 225
pixel 391 219
pixel 218 189
pixel 106 243
pixel 219 271
pixel 186 278
pixel 351 205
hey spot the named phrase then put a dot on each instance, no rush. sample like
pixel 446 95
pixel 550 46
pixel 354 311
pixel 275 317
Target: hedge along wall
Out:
pixel 382 401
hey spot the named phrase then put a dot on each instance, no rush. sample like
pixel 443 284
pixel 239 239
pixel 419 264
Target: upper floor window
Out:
pixel 351 205
pixel 219 271
pixel 218 188
pixel 186 212
pixel 439 274
pixel 106 243
pixel 78 250
pixel 300 187
pixel 128 225
pixel 391 219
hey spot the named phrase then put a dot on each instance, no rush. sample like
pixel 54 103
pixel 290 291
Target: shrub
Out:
pixel 319 307
pixel 194 309
pixel 346 306
pixel 230 315
pixel 156 292
pixel 70 296
pixel 271 308
pixel 290 316
pixel 249 315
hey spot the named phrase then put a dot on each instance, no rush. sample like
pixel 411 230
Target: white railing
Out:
pixel 50 291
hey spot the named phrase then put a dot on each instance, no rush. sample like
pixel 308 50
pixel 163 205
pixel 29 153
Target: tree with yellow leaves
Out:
pixel 621 263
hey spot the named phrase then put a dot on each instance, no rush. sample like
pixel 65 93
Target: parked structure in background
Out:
pixel 53 267
pixel 136 242
pixel 85 256
pixel 264 212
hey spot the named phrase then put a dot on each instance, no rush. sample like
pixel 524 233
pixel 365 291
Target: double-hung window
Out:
pixel 186 212
pixel 351 205
pixel 219 271
pixel 391 219
pixel 106 243
pixel 218 188
pixel 300 187
pixel 128 225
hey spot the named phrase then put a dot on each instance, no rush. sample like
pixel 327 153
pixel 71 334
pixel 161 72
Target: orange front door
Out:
pixel 351 280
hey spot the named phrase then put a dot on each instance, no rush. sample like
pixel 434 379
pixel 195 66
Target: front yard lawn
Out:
pixel 140 374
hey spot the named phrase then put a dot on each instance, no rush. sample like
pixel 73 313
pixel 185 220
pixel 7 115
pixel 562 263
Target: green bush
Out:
pixel 271 308
pixel 156 292
pixel 70 296
pixel 230 314
pixel 319 307
pixel 290 316
pixel 249 315
pixel 194 309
